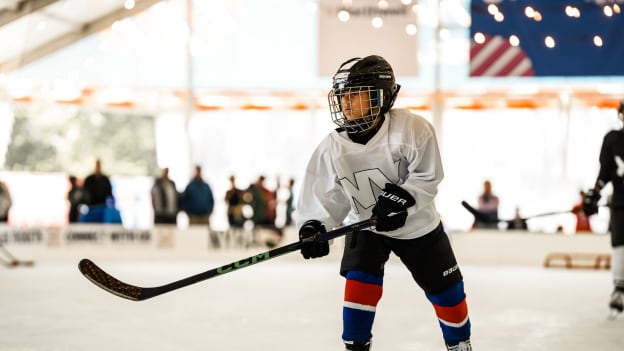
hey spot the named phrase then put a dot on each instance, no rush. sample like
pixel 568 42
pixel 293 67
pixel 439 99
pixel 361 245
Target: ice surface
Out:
pixel 292 304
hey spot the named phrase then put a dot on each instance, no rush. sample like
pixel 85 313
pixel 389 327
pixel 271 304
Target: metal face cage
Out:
pixel 356 108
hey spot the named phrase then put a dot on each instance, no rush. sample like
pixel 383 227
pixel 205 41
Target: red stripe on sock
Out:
pixel 452 314
pixel 362 293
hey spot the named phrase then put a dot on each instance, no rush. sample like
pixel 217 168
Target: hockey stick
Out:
pixel 8 263
pixel 483 218
pixel 136 293
pixel 12 260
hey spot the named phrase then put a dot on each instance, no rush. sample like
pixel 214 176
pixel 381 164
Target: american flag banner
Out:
pixel 546 38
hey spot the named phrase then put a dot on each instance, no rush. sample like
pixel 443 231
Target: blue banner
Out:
pixel 547 38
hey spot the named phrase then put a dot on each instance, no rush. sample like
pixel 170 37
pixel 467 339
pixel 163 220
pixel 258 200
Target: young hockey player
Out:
pixel 612 170
pixel 384 164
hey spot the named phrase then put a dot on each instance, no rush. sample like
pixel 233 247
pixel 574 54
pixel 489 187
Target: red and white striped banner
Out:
pixel 496 57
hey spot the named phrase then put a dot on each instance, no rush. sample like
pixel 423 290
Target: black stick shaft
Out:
pixel 480 216
pixel 109 283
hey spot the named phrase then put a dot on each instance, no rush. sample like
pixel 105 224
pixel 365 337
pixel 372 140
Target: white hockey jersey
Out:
pixel 343 178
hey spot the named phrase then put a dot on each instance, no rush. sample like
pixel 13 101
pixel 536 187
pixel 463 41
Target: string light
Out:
pixel 493 9
pixel 129 4
pixel 572 11
pixel 479 38
pixel 514 40
pixel 311 6
pixel 607 10
pixel 377 22
pixel 344 15
pixel 530 12
pixel 378 13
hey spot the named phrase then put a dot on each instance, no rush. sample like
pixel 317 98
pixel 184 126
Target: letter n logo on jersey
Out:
pixel 364 191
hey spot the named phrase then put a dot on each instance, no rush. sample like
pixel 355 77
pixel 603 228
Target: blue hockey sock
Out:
pixel 452 312
pixel 362 293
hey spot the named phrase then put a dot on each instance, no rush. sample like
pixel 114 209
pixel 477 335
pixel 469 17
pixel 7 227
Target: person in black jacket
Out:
pixel 612 170
pixel 97 186
pixel 165 199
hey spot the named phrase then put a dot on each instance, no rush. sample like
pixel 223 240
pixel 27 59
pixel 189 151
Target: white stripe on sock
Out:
pixel 357 306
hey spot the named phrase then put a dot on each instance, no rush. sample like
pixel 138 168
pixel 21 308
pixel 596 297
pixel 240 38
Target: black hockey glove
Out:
pixel 590 202
pixel 308 233
pixel 393 199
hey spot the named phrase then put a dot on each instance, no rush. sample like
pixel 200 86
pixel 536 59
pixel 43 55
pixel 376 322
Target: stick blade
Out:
pixel 10 264
pixel 479 216
pixel 107 282
pixel 13 263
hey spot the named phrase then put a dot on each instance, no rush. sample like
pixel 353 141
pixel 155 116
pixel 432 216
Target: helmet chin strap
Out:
pixel 363 136
pixel 358 130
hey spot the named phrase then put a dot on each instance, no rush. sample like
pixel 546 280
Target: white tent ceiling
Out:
pixel 32 29
pixel 149 58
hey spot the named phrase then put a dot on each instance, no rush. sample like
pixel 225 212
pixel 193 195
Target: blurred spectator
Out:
pixel 106 213
pixel 165 199
pixel 235 203
pixel 517 223
pixel 488 206
pixel 290 206
pixel 582 221
pixel 262 201
pixel 5 202
pixel 97 187
pixel 76 197
pixel 197 199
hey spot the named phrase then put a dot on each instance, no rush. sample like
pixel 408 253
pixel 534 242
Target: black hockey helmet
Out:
pixel 372 74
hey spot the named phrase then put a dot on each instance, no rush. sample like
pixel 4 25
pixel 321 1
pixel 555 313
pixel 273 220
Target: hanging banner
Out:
pixel 364 28
pixel 546 38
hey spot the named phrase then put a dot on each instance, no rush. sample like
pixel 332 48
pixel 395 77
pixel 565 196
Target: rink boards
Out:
pixel 112 242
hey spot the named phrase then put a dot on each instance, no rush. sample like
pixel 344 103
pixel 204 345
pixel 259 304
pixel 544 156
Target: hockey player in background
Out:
pixel 612 170
pixel 384 164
